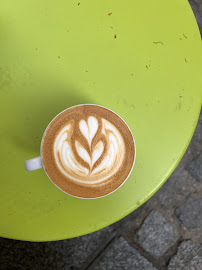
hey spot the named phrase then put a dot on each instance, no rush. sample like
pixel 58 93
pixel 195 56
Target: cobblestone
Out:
pixel 87 246
pixel 175 189
pixel 124 257
pixel 156 235
pixel 195 168
pixel 190 212
pixel 189 257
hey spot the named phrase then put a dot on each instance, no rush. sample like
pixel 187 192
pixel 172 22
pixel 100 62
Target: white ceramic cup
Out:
pixel 36 163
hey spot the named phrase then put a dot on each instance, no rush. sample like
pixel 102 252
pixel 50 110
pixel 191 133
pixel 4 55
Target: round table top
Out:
pixel 141 59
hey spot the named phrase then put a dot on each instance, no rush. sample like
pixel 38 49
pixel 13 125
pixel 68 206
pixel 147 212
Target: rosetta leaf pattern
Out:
pixel 100 161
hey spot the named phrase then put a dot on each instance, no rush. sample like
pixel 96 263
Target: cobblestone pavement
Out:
pixel 164 233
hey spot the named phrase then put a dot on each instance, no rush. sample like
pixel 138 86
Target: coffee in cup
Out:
pixel 88 151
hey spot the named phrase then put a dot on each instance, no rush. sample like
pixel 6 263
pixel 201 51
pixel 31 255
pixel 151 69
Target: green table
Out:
pixel 141 59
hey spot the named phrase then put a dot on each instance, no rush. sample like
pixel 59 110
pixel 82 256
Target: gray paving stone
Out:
pixel 189 257
pixel 122 256
pixel 85 248
pixel 190 212
pixel 176 187
pixel 194 149
pixel 195 168
pixel 156 235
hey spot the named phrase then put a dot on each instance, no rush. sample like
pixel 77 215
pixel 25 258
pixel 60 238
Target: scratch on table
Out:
pixel 158 42
pixel 184 35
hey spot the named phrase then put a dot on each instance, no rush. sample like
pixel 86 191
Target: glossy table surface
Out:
pixel 141 59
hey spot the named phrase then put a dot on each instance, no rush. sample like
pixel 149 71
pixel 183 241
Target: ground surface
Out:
pixel 164 233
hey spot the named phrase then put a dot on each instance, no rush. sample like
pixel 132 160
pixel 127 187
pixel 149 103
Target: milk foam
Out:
pixel 111 155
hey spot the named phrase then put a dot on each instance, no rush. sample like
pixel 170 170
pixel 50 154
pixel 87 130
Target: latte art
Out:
pixel 88 151
pixel 96 163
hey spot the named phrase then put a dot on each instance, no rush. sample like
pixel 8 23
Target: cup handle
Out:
pixel 33 164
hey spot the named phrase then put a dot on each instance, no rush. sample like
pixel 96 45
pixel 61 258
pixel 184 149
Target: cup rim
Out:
pixel 134 160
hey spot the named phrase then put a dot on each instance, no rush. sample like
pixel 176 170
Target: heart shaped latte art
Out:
pixel 99 161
